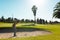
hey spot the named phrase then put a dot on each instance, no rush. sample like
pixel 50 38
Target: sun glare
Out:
pixel 38 2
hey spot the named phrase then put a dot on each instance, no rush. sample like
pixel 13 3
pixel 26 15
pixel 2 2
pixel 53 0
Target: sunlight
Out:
pixel 38 2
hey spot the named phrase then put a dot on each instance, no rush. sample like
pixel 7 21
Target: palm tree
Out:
pixel 34 9
pixel 56 13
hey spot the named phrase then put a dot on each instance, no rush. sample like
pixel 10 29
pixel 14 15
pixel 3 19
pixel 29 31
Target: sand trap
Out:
pixel 24 34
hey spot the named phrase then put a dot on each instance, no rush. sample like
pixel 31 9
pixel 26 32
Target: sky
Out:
pixel 22 9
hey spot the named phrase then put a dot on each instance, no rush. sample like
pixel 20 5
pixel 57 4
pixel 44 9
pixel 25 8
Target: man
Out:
pixel 14 27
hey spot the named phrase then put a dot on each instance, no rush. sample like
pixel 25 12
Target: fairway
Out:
pixel 54 28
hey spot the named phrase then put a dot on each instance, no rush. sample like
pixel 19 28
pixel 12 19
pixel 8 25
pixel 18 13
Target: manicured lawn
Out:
pixel 54 28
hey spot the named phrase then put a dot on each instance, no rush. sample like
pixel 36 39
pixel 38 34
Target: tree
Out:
pixel 38 21
pixel 34 9
pixel 9 20
pixel 50 22
pixel 2 19
pixel 46 22
pixel 27 20
pixel 22 20
pixel 56 13
pixel 32 21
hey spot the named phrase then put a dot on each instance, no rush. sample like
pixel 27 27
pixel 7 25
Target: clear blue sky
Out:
pixel 22 8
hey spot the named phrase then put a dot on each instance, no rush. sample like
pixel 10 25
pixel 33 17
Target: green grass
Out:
pixel 54 28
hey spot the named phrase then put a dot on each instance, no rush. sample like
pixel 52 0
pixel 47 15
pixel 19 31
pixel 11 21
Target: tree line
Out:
pixel 7 20
pixel 11 20
pixel 38 21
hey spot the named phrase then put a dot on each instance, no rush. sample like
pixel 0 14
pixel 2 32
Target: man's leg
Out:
pixel 14 32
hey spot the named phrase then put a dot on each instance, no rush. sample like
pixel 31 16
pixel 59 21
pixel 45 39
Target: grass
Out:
pixel 54 28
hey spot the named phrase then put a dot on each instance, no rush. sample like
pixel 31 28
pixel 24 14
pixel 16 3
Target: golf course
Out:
pixel 54 30
pixel 29 19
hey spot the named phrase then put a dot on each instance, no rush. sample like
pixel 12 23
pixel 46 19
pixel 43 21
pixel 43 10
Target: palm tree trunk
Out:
pixel 34 20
